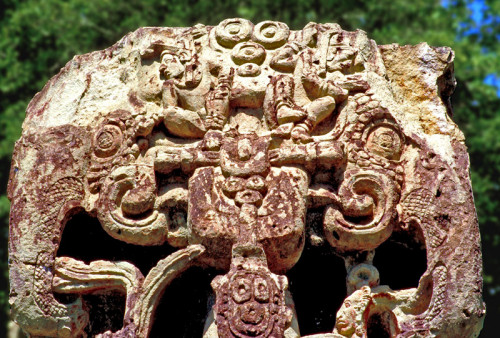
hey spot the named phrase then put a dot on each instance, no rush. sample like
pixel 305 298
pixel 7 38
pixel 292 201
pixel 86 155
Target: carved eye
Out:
pixel 271 34
pixel 107 140
pixel 166 58
pixel 233 184
pixel 242 290
pixel 261 289
pixel 385 141
pixel 231 31
pixel 169 59
pixel 256 182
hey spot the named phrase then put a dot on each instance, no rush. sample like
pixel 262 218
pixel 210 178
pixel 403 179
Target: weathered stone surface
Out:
pixel 236 147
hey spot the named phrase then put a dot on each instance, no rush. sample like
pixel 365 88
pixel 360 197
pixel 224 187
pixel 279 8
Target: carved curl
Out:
pixel 364 219
pixel 127 210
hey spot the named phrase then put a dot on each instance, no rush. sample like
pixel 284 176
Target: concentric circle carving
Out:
pixel 232 31
pixel 108 140
pixel 271 34
pixel 248 52
pixel 385 141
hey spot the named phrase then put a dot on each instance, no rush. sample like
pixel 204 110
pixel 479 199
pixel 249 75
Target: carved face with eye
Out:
pixel 385 141
pixel 182 67
pixel 286 58
pixel 172 66
pixel 346 319
pixel 252 297
pixel 340 54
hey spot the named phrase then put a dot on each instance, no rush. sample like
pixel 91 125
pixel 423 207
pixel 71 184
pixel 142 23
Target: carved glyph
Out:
pixel 235 149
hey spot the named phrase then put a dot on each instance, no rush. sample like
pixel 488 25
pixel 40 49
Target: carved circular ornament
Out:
pixel 248 52
pixel 271 34
pixel 108 140
pixel 254 303
pixel 385 141
pixel 232 31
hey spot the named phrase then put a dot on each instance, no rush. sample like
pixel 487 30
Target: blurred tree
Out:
pixel 37 37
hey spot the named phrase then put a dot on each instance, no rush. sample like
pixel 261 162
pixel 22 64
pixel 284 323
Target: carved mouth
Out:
pixel 252 313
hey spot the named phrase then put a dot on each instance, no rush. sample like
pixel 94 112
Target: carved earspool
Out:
pixel 239 151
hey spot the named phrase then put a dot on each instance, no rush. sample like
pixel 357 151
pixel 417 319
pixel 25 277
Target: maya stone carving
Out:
pixel 218 143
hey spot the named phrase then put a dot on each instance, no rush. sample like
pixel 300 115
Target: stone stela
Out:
pixel 218 145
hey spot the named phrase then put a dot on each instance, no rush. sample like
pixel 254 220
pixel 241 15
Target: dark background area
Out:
pixel 37 38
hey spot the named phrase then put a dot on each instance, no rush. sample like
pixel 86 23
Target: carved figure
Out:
pixel 192 104
pixel 240 150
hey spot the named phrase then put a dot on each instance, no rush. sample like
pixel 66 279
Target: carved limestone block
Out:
pixel 204 181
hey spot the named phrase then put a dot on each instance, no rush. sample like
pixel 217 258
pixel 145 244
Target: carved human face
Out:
pixel 251 295
pixel 346 319
pixel 173 66
pixel 285 59
pixel 340 54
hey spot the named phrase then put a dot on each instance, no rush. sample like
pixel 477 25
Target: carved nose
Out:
pixel 252 313
pixel 244 149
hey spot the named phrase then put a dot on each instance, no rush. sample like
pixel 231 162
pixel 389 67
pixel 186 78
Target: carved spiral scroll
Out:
pixel 126 209
pixel 364 219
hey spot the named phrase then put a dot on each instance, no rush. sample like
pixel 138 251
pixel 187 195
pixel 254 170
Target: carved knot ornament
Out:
pixel 207 181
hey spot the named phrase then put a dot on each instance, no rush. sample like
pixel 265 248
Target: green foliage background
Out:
pixel 37 37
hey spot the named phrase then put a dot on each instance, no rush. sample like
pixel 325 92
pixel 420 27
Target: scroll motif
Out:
pixel 241 149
